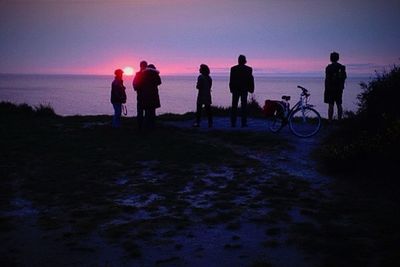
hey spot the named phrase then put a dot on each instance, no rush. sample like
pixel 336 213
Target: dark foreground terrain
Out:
pixel 74 192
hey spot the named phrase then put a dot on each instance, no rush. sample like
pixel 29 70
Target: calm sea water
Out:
pixel 90 95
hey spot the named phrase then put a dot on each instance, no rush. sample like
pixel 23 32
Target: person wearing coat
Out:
pixel 204 84
pixel 241 83
pixel 150 99
pixel 138 87
pixel 118 97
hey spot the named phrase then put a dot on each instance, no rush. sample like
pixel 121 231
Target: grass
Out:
pixel 253 110
pixel 69 167
pixel 134 188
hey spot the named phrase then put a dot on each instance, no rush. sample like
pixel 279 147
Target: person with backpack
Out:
pixel 335 76
pixel 118 97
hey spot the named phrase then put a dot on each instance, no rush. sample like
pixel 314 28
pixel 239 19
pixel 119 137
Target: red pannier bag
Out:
pixel 270 107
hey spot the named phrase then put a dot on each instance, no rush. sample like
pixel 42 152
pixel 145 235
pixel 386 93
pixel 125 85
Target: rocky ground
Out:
pixel 254 199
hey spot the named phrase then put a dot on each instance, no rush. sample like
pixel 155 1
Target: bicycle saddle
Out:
pixel 286 97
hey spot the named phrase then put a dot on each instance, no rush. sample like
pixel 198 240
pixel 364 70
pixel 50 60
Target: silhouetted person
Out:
pixel 150 99
pixel 240 84
pixel 335 76
pixel 118 97
pixel 204 84
pixel 137 86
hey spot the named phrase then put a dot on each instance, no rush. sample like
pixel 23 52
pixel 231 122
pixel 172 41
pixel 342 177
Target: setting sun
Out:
pixel 128 71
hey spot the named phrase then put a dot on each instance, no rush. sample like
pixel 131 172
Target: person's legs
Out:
pixel 116 121
pixel 330 112
pixel 198 114
pixel 139 116
pixel 209 115
pixel 339 110
pixel 339 104
pixel 235 102
pixel 146 118
pixel 151 117
pixel 243 104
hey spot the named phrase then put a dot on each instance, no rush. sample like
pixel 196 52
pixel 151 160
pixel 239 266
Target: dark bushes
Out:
pixel 10 109
pixel 368 142
pixel 253 109
pixel 379 103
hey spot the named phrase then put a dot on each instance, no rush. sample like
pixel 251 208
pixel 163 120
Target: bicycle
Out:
pixel 303 119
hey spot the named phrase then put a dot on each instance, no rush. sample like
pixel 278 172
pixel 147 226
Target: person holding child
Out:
pixel 138 87
pixel 150 96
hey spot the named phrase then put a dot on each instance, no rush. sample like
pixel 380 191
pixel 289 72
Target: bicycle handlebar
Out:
pixel 305 91
pixel 301 87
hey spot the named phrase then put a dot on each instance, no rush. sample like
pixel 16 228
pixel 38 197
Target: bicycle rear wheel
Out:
pixel 305 122
pixel 277 121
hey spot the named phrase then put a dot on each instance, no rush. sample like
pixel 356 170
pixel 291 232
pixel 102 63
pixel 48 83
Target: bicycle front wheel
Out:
pixel 305 122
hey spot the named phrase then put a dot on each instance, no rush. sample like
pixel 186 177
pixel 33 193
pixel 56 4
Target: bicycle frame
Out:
pixel 302 103
pixel 286 115
pixel 287 111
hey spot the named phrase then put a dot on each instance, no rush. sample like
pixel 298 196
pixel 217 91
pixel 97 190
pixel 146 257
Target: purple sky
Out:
pixel 293 36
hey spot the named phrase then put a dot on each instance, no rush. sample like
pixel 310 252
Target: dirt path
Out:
pixel 299 156
pixel 260 211
pixel 287 171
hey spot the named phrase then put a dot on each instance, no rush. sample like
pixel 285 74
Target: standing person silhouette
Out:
pixel 241 82
pixel 150 99
pixel 118 97
pixel 137 86
pixel 204 84
pixel 335 76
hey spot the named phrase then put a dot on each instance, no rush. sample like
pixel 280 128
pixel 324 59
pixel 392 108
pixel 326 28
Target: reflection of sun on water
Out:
pixel 128 71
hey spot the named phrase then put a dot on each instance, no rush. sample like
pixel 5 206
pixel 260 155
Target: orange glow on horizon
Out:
pixel 218 66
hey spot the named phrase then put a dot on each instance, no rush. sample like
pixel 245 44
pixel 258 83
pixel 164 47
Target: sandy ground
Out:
pixel 301 163
pixel 258 237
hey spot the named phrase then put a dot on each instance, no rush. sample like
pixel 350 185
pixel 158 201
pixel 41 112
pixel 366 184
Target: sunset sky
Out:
pixel 283 36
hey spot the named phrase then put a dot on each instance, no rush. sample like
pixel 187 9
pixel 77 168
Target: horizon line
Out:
pixel 255 74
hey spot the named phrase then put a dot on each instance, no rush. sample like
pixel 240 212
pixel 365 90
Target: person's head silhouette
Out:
pixel 143 65
pixel 242 60
pixel 118 73
pixel 334 57
pixel 204 69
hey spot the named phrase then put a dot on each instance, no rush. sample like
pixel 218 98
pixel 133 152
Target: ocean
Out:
pixel 90 95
